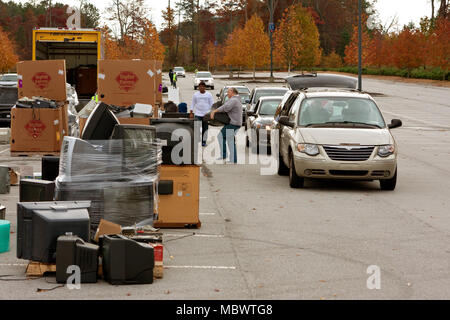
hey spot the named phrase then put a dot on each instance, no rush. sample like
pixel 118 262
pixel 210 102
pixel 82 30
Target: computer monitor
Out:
pixel 39 224
pixel 169 133
pixel 126 261
pixel 100 123
pixel 71 250
pixel 36 190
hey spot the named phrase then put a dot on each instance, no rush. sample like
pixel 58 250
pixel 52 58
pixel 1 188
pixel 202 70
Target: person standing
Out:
pixel 174 80
pixel 202 102
pixel 171 77
pixel 233 107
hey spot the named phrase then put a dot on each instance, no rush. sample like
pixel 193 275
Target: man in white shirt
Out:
pixel 201 105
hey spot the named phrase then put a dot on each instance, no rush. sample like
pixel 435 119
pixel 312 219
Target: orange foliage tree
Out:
pixel 333 60
pixel 408 49
pixel 234 54
pixel 255 46
pixel 212 55
pixel 8 56
pixel 351 50
pixel 144 46
pixel 287 40
pixel 439 45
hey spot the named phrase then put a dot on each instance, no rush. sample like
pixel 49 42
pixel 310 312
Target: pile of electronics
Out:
pixel 110 173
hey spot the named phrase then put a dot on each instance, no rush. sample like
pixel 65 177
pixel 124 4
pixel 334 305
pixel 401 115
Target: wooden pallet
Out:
pixel 33 154
pixel 159 224
pixel 38 269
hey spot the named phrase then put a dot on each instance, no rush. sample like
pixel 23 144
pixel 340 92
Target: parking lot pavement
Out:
pixel 261 239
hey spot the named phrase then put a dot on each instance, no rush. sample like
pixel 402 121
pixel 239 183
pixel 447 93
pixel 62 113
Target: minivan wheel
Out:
pixel 389 184
pixel 294 180
pixel 283 170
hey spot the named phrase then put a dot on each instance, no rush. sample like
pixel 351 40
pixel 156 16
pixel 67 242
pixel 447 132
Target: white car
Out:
pixel 8 80
pixel 180 72
pixel 206 77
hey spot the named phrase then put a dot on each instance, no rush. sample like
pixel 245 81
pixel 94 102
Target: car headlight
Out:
pixel 257 125
pixel 268 127
pixel 309 149
pixel 386 151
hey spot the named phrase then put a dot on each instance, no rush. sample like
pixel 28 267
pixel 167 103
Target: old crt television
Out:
pixel 50 168
pixel 72 250
pixel 126 261
pixel 36 190
pixel 167 130
pixel 39 224
pixel 81 160
pixel 100 123
pixel 137 146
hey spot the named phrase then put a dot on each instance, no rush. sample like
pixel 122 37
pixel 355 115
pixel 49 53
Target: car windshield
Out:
pixel 332 111
pixel 9 77
pixel 244 97
pixel 178 69
pixel 203 75
pixel 268 107
pixel 269 93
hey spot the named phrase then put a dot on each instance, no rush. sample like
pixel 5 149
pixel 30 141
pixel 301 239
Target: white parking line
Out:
pixel 207 213
pixel 13 265
pixel 195 235
pixel 7 149
pixel 200 267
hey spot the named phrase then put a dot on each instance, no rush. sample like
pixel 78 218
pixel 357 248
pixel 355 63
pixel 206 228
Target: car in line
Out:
pixel 260 121
pixel 327 132
pixel 244 93
pixel 180 72
pixel 204 76
pixel 8 80
pixel 259 92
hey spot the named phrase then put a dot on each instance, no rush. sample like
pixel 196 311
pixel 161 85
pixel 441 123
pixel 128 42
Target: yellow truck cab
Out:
pixel 81 48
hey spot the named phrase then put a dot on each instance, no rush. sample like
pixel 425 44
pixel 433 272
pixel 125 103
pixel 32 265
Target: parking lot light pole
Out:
pixel 359 45
pixel 271 25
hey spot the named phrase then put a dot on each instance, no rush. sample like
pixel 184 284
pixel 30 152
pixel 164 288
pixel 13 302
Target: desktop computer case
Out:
pixel 181 206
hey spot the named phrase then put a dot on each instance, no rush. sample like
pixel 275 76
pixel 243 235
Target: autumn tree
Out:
pixel 407 49
pixel 255 45
pixel 439 46
pixel 351 50
pixel 8 57
pixel 169 26
pixel 333 60
pixel 234 54
pixel 287 43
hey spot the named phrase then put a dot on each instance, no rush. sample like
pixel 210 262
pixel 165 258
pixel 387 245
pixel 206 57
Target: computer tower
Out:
pixel 73 251
pixel 36 190
pixel 50 168
pixel 126 261
pixel 39 224
pixel 179 196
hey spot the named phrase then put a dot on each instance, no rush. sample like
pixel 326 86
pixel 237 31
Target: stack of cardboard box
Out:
pixel 40 130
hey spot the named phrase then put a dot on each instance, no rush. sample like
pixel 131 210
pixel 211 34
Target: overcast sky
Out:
pixel 405 10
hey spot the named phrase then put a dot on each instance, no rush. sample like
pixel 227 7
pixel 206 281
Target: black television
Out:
pixel 39 224
pixel 169 133
pixel 31 190
pixel 100 123
pixel 71 250
pixel 125 261
pixel 50 168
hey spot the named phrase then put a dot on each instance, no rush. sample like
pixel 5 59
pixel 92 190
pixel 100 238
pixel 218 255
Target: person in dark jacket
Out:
pixel 171 77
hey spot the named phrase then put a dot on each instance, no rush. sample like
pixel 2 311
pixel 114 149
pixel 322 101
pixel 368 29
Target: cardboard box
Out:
pixel 38 129
pixel 158 86
pixel 14 177
pixel 108 228
pixel 126 82
pixel 43 78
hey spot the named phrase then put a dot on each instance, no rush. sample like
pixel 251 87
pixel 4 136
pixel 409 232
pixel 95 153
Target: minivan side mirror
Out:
pixel 285 121
pixel 247 101
pixel 395 123
pixel 218 95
